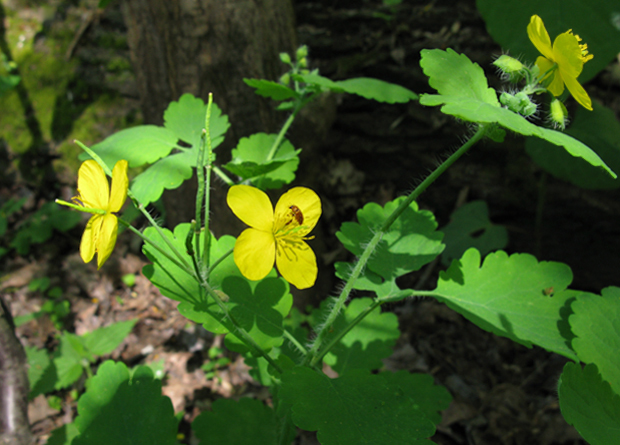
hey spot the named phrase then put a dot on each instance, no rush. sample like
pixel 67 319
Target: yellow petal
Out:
pixel 308 203
pixel 120 183
pixel 539 36
pixel 557 84
pixel 297 265
pixel 88 245
pixel 567 53
pixel 254 253
pixel 93 185
pixel 252 206
pixel 578 93
pixel 106 240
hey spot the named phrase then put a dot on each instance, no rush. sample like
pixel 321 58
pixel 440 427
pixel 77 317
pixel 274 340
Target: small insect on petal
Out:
pixel 297 214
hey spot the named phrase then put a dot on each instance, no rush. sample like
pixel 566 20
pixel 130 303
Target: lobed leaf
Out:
pixel 509 296
pixel 589 404
pixel 123 408
pixel 470 226
pixel 255 423
pixel 258 306
pixel 369 88
pixel 411 241
pixel 272 90
pixel 596 324
pixel 474 102
pixel 249 161
pixel 361 408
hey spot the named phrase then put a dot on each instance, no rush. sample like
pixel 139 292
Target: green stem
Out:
pixel 96 157
pixel 295 342
pixel 219 260
pixel 200 174
pixel 370 248
pixel 207 201
pixel 334 340
pixel 223 176
pixel 155 246
pixel 283 130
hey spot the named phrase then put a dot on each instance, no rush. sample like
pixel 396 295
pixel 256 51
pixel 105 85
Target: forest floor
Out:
pixel 503 393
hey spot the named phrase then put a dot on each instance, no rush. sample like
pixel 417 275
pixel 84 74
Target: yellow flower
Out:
pixel 563 61
pixel 276 235
pixel 94 193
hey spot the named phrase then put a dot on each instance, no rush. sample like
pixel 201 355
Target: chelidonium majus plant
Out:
pixel 240 286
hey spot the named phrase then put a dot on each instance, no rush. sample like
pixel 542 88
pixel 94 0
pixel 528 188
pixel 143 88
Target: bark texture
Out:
pixel 14 427
pixel 203 46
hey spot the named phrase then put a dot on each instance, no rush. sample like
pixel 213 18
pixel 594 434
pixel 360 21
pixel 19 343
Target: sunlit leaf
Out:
pixel 512 296
pixel 272 90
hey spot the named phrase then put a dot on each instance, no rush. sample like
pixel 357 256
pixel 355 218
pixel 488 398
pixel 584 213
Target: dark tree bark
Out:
pixel 14 427
pixel 204 46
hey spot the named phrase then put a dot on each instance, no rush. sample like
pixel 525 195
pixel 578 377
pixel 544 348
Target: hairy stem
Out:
pixel 313 357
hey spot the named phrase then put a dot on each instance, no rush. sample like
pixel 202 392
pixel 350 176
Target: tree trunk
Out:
pixel 203 46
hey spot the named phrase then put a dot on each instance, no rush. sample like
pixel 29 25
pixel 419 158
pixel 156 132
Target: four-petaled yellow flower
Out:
pixel 276 235
pixel 564 60
pixel 94 193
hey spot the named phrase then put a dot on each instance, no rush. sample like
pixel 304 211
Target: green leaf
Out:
pixel 600 130
pixel 7 83
pixel 168 173
pixel 589 404
pixel 121 409
pixel 470 226
pixel 255 423
pixel 272 90
pixel 369 88
pixel 105 340
pixel 357 408
pixel 41 372
pixel 186 119
pixel 411 241
pixel 258 306
pixel 507 296
pixel 596 325
pixel 364 346
pixel 139 145
pixel 474 102
pixel 429 398
pixel 249 161
pixel 454 75
pixel 595 21
pixel 69 358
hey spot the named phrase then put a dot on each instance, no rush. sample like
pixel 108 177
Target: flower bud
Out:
pixel 302 52
pixel 558 115
pixel 285 79
pixel 510 67
pixel 285 58
pixel 518 103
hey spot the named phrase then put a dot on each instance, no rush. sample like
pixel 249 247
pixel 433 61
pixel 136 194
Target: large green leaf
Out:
pixel 364 346
pixel 595 21
pixel 139 145
pixel 411 242
pixel 474 102
pixel 258 306
pixel 512 296
pixel 123 409
pixel 359 408
pixel 600 130
pixel 249 161
pixel 255 423
pixel 596 325
pixel 168 173
pixel 589 404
